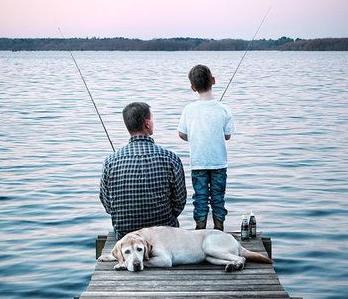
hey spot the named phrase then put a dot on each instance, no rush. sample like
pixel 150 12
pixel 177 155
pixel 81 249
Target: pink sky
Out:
pixel 148 19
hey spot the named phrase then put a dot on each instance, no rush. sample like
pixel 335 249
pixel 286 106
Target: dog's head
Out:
pixel 131 251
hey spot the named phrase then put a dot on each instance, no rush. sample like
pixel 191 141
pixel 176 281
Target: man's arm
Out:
pixel 183 136
pixel 104 190
pixel 179 193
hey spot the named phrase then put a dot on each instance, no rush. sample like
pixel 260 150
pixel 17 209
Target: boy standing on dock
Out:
pixel 206 124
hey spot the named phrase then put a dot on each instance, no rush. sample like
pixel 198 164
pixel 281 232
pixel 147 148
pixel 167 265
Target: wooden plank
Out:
pixel 267 243
pixel 99 245
pixel 173 271
pixel 216 294
pixel 158 277
pixel 182 283
pixel 109 266
pixel 202 288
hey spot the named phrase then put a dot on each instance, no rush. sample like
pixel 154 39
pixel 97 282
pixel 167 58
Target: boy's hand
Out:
pixel 183 136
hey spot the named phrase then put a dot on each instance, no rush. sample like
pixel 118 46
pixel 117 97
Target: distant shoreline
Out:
pixel 170 44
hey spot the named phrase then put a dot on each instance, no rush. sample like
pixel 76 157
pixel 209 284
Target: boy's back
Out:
pixel 206 122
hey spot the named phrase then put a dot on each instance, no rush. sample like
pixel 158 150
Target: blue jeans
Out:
pixel 209 186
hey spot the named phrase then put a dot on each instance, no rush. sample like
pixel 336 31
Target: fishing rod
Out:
pixel 90 95
pixel 246 51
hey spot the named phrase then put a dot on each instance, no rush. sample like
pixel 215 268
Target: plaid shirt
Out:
pixel 142 185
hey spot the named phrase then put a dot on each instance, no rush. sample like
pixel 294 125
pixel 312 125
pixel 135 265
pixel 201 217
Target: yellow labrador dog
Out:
pixel 163 246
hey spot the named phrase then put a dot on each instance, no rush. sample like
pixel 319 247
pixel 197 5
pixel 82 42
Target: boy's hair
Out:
pixel 200 78
pixel 134 116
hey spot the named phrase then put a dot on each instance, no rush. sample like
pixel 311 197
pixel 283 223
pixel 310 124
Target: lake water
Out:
pixel 288 160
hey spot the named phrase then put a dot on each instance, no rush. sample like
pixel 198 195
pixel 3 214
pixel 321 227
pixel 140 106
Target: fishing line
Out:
pixel 90 95
pixel 246 51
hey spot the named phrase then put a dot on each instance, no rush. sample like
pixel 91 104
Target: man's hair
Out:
pixel 200 78
pixel 134 116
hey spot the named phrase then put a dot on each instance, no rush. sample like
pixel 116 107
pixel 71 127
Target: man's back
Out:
pixel 142 185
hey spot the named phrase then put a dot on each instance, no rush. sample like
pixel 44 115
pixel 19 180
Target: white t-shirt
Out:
pixel 206 122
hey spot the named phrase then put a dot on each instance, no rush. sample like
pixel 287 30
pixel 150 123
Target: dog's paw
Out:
pixel 234 266
pixel 229 268
pixel 119 267
pixel 239 266
pixel 106 258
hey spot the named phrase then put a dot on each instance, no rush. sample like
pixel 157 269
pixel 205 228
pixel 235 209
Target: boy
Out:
pixel 206 124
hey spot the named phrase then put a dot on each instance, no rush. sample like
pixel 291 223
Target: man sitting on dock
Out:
pixel 142 184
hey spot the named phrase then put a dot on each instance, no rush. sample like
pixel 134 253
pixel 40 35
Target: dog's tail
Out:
pixel 254 256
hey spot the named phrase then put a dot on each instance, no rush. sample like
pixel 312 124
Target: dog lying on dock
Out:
pixel 163 246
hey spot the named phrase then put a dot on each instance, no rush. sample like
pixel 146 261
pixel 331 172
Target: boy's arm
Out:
pixel 182 127
pixel 229 125
pixel 183 136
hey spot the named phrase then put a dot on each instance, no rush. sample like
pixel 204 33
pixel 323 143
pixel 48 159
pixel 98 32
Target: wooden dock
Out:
pixel 185 281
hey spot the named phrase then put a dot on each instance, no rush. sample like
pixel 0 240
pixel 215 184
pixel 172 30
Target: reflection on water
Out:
pixel 287 161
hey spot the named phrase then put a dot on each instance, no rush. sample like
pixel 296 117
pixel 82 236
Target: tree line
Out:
pixel 170 44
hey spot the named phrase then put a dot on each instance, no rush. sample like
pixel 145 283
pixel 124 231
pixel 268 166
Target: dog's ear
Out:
pixel 117 253
pixel 147 250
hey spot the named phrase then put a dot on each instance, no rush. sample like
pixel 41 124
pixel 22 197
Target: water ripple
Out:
pixel 287 161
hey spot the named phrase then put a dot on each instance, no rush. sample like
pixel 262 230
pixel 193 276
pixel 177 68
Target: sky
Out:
pixel 147 19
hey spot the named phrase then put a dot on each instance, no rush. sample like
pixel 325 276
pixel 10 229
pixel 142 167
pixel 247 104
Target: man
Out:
pixel 142 184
